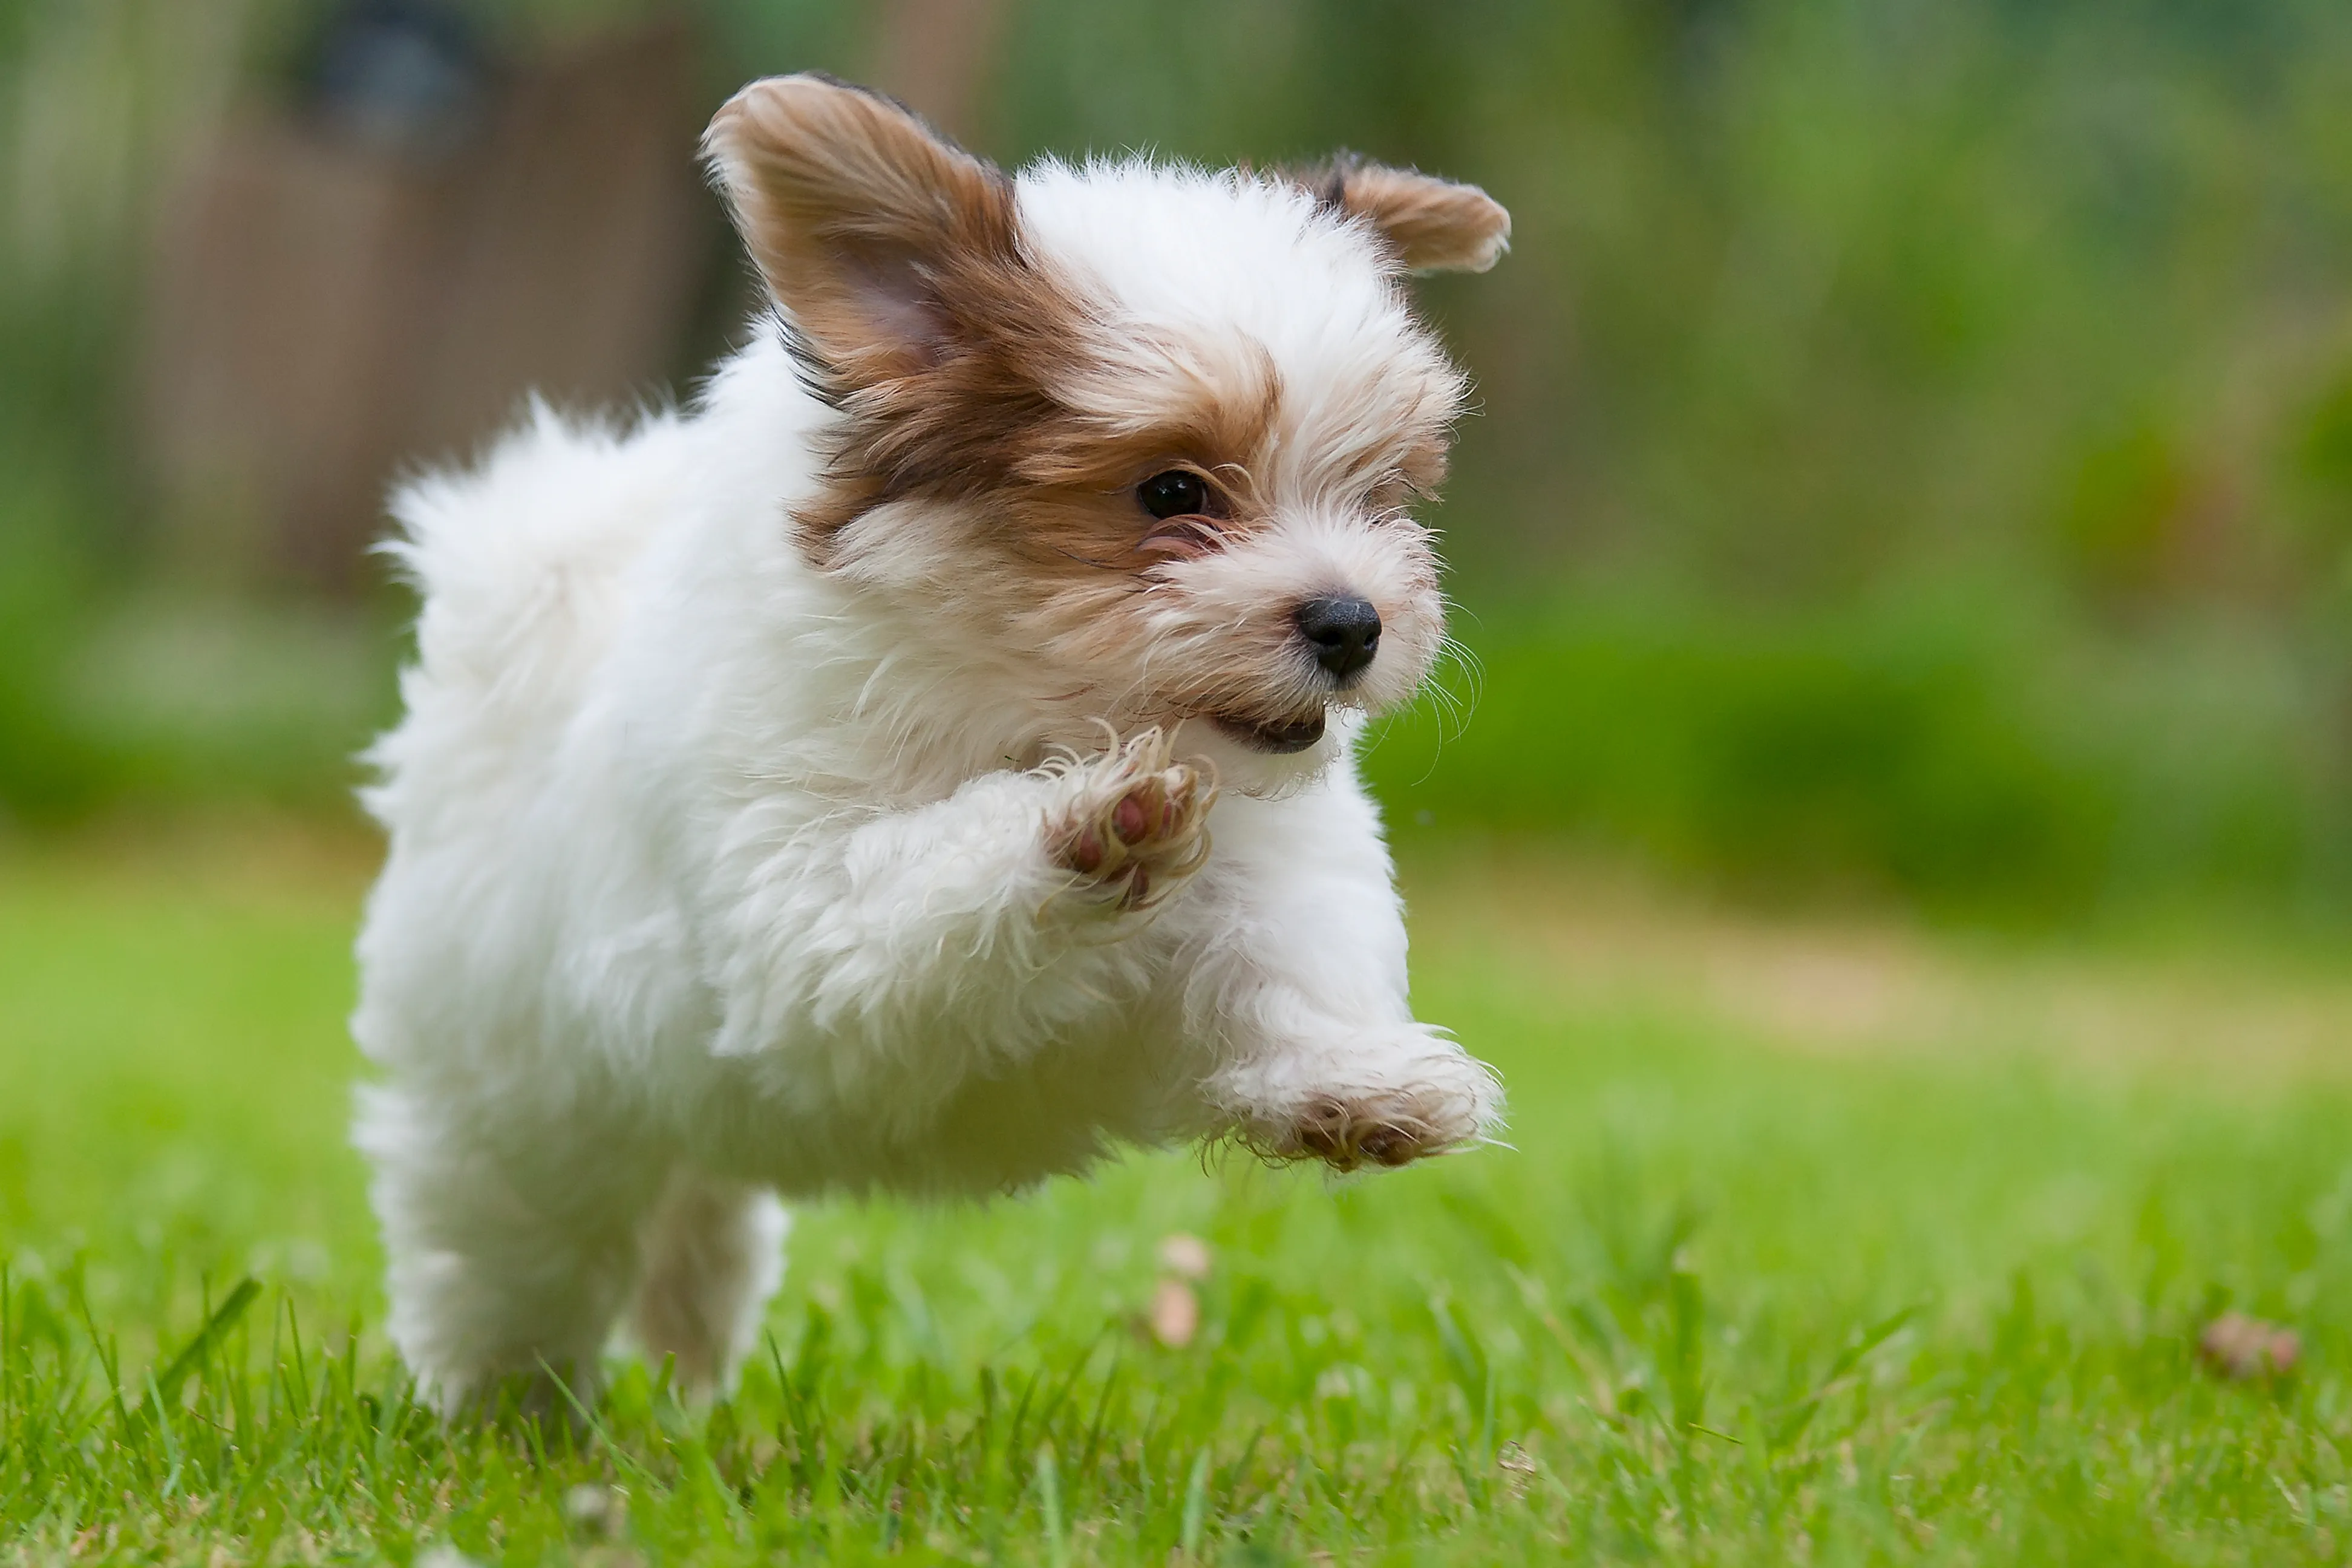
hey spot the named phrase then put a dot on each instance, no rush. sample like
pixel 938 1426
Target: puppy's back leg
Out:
pixel 508 1256
pixel 713 1253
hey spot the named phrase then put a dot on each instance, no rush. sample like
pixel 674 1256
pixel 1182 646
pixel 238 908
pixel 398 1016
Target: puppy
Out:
pixel 925 766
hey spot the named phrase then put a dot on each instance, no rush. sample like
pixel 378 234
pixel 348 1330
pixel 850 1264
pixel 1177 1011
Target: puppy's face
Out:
pixel 1143 442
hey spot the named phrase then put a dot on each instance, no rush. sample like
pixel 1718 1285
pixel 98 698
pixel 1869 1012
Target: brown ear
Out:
pixel 1431 225
pixel 858 216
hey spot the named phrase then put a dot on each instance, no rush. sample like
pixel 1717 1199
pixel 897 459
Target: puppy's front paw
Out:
pixel 1136 823
pixel 1387 1127
pixel 1447 1102
pixel 1349 1132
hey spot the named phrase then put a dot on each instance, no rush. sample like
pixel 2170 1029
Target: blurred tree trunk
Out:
pixel 323 310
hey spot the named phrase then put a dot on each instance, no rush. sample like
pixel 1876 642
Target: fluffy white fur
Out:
pixel 717 873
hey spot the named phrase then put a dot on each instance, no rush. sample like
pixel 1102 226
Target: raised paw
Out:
pixel 1137 821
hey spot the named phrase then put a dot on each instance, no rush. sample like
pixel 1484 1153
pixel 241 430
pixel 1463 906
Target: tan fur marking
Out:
pixel 896 257
pixel 849 205
pixel 1431 225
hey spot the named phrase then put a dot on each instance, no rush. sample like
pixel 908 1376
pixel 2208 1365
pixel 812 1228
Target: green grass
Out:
pixel 1771 1275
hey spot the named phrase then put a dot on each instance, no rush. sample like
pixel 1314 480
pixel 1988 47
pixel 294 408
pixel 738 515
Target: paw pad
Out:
pixel 1138 823
pixel 1347 1137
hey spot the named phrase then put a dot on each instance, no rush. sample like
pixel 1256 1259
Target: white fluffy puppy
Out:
pixel 924 765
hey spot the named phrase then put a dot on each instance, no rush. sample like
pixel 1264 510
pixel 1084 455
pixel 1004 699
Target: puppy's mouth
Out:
pixel 1281 737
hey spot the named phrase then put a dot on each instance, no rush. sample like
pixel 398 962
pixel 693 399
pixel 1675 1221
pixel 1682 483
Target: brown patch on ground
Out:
pixel 1835 984
pixel 2248 1350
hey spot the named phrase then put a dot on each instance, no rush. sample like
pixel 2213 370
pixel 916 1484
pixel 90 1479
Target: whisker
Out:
pixel 1087 561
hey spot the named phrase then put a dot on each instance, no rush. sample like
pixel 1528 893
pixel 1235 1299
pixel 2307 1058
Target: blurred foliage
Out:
pixel 1914 450
pixel 1931 746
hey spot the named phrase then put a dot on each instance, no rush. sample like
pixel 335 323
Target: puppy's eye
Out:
pixel 1179 492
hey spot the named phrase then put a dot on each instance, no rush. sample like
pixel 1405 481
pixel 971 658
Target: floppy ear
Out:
pixel 1431 225
pixel 859 217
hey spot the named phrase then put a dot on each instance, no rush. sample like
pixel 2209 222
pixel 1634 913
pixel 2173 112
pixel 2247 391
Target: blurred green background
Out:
pixel 1912 464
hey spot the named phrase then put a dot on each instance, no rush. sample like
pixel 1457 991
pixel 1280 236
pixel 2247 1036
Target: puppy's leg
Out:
pixel 510 1257
pixel 1302 981
pixel 713 1255
pixel 981 918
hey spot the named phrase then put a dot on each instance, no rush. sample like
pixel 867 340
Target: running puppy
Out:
pixel 924 765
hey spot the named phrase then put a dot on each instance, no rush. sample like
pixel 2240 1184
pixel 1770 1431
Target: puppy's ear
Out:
pixel 1431 225
pixel 860 219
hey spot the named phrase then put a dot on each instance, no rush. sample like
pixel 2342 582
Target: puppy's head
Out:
pixel 1141 442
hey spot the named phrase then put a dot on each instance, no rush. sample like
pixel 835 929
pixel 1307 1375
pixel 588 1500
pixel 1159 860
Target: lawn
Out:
pixel 1817 1242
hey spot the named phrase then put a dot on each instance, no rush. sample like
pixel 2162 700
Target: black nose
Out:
pixel 1345 632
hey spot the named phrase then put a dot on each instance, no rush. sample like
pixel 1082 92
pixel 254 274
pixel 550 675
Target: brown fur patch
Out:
pixel 897 256
pixel 851 206
pixel 1431 225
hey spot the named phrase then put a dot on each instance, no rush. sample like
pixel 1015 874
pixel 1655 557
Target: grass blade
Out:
pixel 1049 1505
pixel 224 1318
pixel 1196 1507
